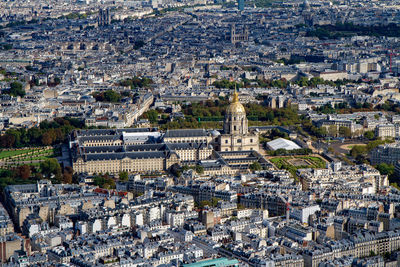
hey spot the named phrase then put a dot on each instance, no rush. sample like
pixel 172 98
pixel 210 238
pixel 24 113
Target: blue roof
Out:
pixel 220 262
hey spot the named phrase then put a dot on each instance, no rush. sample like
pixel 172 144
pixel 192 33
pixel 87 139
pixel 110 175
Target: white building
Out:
pixel 281 143
pixel 302 214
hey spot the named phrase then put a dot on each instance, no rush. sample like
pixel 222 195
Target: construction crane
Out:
pixel 287 203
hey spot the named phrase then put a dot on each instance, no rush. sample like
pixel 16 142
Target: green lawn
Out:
pixel 26 155
pixel 11 153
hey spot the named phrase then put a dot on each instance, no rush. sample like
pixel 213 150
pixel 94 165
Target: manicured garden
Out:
pixel 12 153
pixel 288 163
pixel 31 156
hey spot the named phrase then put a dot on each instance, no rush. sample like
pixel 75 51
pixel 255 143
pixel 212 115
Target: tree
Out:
pixel 112 96
pixel 318 131
pixel 345 131
pixel 24 171
pixel 151 115
pixel 255 166
pixel 110 183
pixel 67 178
pixel 108 96
pixel 214 201
pixel 385 169
pixel 57 80
pixel 136 82
pixel 49 167
pixel 369 135
pixel 332 130
pixel 358 150
pixel 123 176
pixel 7 141
pixel 17 136
pixel 67 175
pixel 16 89
pixel 205 203
pixel 199 169
pixel 38 176
pixel 48 138
pixel 99 181
pixel 69 170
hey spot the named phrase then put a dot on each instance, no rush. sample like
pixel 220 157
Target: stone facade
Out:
pixel 147 150
pixel 236 135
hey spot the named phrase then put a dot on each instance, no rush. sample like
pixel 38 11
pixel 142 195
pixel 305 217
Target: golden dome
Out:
pixel 235 107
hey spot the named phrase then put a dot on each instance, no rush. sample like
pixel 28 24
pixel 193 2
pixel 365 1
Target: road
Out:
pixel 339 147
pixel 321 146
pixel 65 156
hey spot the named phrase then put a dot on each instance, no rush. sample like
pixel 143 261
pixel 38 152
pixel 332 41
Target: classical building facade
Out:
pixel 236 135
pixel 137 158
pixel 148 150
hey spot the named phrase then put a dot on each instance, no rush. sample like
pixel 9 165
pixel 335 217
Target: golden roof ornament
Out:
pixel 235 96
pixel 235 107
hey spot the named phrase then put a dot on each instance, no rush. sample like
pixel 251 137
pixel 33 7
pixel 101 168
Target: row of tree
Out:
pixel 227 84
pixel 344 108
pixel 278 83
pixel 49 169
pixel 255 111
pixel 48 133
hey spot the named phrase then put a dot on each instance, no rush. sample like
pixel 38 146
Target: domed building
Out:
pixel 236 135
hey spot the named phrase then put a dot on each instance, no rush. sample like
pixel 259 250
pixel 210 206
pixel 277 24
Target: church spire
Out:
pixel 235 96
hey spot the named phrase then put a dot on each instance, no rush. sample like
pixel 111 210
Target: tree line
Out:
pixel 26 174
pixel 48 133
pixel 254 111
pixel 279 83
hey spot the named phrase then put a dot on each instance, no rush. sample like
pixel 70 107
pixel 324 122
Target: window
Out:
pixel 234 128
pixel 251 140
pixel 226 141
pixel 239 140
